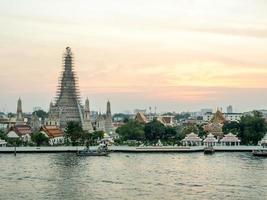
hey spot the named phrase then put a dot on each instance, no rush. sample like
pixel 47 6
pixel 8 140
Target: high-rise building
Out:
pixel 229 109
pixel 67 105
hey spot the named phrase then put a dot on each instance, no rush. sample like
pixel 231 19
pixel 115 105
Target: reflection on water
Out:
pixel 133 176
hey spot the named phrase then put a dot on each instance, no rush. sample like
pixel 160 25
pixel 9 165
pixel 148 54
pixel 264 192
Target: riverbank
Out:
pixel 127 149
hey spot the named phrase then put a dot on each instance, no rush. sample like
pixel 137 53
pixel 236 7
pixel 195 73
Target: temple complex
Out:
pixel 67 105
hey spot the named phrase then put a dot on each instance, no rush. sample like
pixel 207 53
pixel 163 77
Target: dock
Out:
pixel 127 149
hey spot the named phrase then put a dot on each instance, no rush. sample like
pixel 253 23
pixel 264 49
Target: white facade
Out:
pixel 54 140
pixel 228 116
pixel 24 138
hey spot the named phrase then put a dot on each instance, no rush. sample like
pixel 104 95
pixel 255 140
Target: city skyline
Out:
pixel 176 55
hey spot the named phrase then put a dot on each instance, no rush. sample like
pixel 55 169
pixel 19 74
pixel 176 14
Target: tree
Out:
pixel 252 128
pixel 233 127
pixel 40 139
pixel 154 131
pixel 170 133
pixel 132 130
pixel 182 116
pixel 89 139
pixel 121 117
pixel 74 132
pixel 189 129
pixel 3 136
pixel 41 114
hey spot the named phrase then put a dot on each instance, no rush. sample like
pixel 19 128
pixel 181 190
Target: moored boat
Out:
pixel 92 153
pixel 262 150
pixel 102 150
pixel 209 150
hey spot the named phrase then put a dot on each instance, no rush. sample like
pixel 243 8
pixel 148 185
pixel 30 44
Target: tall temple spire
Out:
pixel 19 118
pixel 108 109
pixel 87 125
pixel 108 121
pixel 87 110
pixel 67 105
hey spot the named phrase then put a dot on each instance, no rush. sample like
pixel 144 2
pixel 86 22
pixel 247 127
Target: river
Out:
pixel 155 176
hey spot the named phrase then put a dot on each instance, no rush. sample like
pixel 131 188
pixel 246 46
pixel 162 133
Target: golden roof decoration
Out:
pixel 218 117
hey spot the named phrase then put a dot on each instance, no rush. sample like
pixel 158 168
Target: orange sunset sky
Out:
pixel 178 55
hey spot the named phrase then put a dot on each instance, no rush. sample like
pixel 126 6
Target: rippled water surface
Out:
pixel 133 176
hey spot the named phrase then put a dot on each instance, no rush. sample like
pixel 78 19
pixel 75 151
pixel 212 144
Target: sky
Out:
pixel 177 55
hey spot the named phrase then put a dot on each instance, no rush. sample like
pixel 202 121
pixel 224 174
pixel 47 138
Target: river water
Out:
pixel 133 176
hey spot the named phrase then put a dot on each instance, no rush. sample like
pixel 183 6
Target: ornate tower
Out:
pixel 19 118
pixel 108 121
pixel 87 125
pixel 67 103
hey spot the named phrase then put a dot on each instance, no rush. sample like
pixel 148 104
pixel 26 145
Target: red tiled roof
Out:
pixel 21 129
pixel 52 131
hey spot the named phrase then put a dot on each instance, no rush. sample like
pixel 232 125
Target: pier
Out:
pixel 127 149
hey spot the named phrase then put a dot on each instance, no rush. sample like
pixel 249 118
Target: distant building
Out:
pixel 206 110
pixel 167 120
pixel 227 116
pixel 229 109
pixel 140 117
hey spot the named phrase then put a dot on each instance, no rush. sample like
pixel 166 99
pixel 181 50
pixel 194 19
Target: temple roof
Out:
pixel 192 137
pixel 21 130
pixel 140 117
pixel 52 131
pixel 210 138
pixel 218 117
pixel 230 138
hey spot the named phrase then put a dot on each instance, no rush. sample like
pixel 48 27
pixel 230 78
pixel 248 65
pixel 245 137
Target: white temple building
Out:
pixel 192 139
pixel 263 142
pixel 229 140
pixel 210 141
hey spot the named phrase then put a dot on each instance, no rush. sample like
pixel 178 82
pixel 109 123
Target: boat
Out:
pixel 102 150
pixel 92 153
pixel 262 151
pixel 209 150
